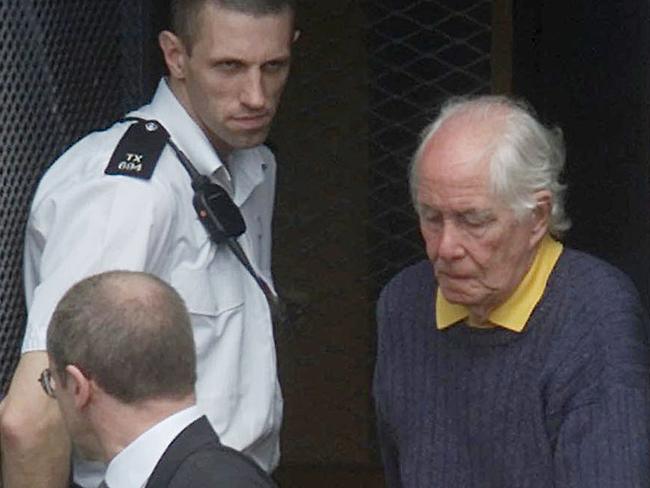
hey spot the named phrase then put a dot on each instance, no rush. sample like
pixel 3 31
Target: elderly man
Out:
pixel 507 359
pixel 122 367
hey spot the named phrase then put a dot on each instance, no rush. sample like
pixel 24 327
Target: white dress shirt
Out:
pixel 84 222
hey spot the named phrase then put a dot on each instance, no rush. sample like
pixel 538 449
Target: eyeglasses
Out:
pixel 47 382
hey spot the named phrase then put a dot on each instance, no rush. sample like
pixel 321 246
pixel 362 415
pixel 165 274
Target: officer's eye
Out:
pixel 276 65
pixel 228 65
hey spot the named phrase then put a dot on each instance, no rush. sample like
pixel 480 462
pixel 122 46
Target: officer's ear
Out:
pixel 174 53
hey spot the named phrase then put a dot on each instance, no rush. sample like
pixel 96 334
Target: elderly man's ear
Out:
pixel 541 215
pixel 78 385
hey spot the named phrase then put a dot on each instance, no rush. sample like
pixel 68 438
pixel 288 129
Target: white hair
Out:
pixel 526 158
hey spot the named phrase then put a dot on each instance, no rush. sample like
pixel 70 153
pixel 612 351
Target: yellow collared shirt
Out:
pixel 517 309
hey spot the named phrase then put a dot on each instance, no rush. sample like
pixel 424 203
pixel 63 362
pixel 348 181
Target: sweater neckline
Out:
pixel 466 335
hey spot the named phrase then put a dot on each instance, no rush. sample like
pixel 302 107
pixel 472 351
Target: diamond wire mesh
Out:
pixel 421 52
pixel 62 75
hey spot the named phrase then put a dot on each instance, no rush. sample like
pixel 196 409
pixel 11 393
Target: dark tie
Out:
pixel 103 485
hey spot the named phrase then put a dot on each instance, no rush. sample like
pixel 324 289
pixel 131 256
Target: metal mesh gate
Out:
pixel 63 73
pixel 421 52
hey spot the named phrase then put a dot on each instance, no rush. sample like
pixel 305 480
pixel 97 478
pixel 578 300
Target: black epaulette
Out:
pixel 139 150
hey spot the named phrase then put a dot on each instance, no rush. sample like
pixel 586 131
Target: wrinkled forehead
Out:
pixel 462 147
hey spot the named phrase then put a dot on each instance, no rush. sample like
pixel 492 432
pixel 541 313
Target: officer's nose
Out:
pixel 253 93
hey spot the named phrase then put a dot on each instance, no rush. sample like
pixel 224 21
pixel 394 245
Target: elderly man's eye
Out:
pixel 430 216
pixel 475 222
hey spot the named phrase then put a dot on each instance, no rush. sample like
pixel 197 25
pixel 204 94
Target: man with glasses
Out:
pixel 122 367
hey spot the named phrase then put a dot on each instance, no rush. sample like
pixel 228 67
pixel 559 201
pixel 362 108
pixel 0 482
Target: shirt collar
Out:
pixel 244 165
pixel 517 309
pixel 247 172
pixel 187 135
pixel 132 467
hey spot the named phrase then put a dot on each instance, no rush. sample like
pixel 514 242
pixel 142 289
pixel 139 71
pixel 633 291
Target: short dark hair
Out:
pixel 130 332
pixel 185 13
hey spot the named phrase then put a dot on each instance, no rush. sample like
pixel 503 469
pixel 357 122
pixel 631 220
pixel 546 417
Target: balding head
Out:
pixel 128 331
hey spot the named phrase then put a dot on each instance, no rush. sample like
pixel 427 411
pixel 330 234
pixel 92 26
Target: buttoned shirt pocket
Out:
pixel 206 293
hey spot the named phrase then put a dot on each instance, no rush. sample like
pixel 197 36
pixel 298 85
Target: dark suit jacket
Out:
pixel 196 458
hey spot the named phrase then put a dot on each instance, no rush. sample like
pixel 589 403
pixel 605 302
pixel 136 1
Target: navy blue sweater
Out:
pixel 565 403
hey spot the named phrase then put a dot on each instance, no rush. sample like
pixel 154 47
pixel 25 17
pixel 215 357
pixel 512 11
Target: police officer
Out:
pixel 101 207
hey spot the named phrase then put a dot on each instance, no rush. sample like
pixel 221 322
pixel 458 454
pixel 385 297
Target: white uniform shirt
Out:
pixel 83 222
pixel 133 466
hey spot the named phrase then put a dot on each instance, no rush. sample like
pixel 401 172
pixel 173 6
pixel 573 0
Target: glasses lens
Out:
pixel 46 382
